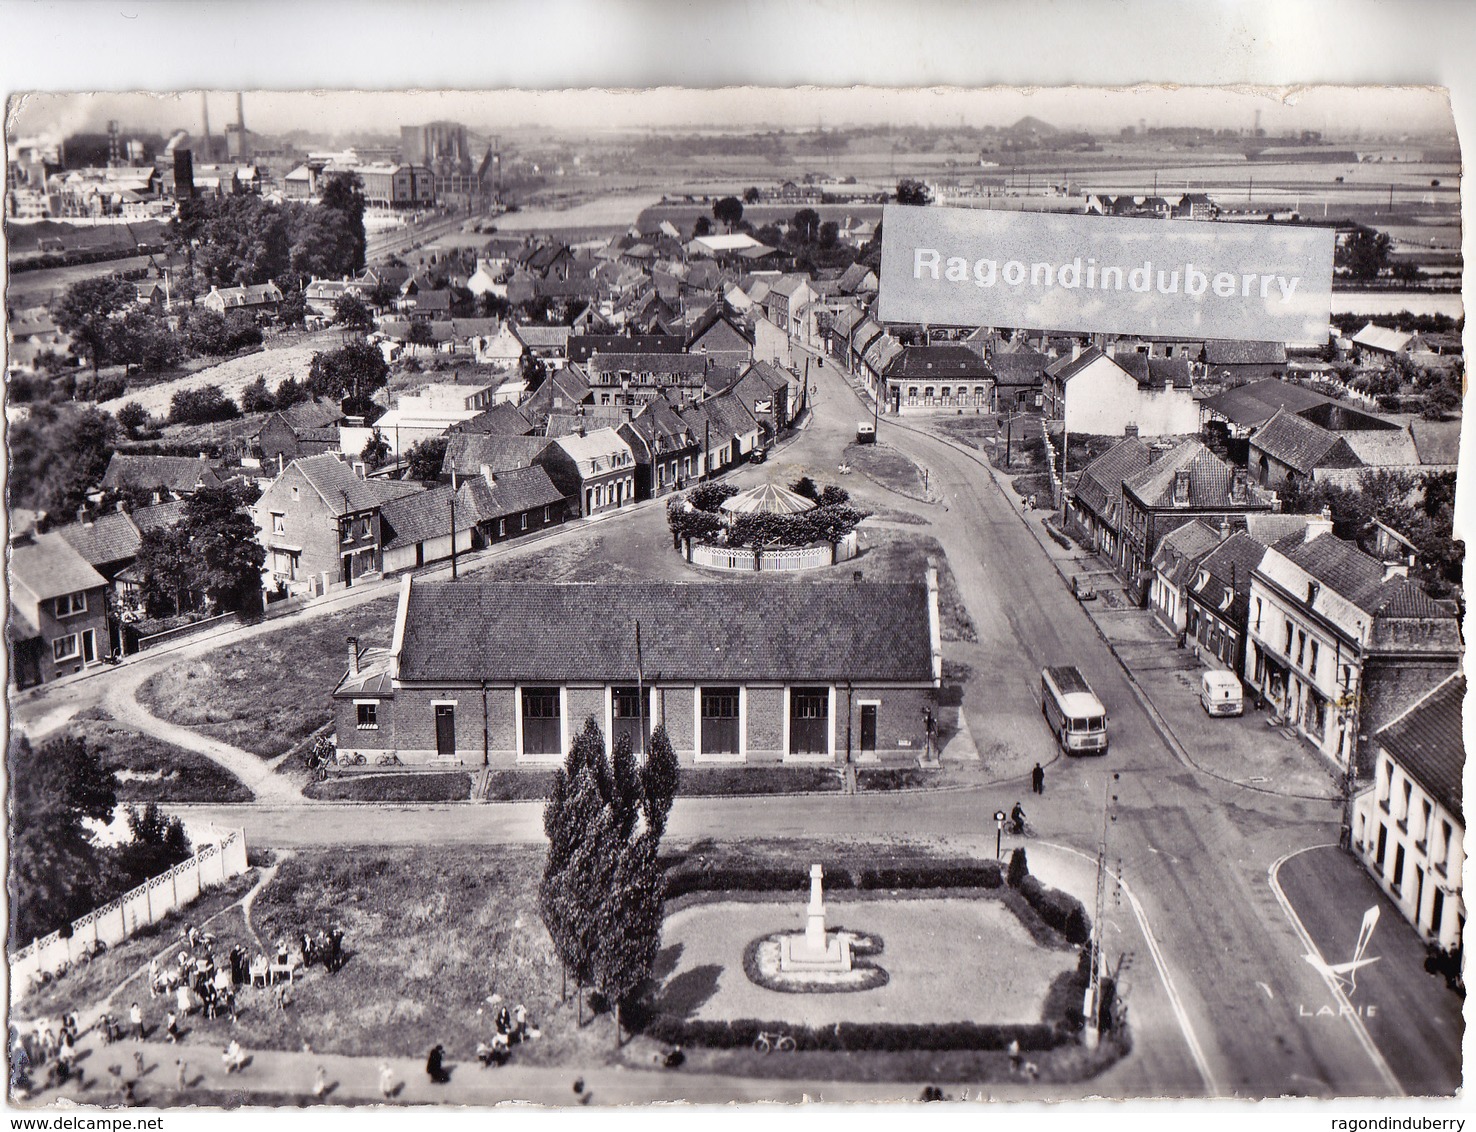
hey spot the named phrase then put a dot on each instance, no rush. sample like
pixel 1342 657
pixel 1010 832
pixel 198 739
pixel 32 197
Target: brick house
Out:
pixel 58 611
pixel 263 298
pixel 1409 827
pixel 1099 393
pixel 1095 506
pixel 504 674
pixel 668 452
pixel 1339 643
pixel 1289 449
pixel 308 429
pixel 321 525
pixel 943 377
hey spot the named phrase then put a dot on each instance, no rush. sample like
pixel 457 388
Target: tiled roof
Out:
pixel 1383 448
pixel 1156 373
pixel 789 285
pixel 596 451
pixel 504 418
pixel 159 516
pixel 1210 481
pixel 512 492
pixel 1100 486
pixel 768 373
pixel 179 474
pixel 584 418
pixel 1224 577
pixel 1427 741
pixel 423 515
pixel 1023 368
pixel 659 424
pixel 111 537
pixel 342 490
pixel 1271 528
pixel 1223 353
pixel 938 362
pixel 312 414
pixel 726 412
pixel 1359 578
pixel 730 631
pixel 1437 442
pixel 683 364
pixel 467 453
pixel 49 567
pixel 1253 404
pixel 1064 368
pixel 853 278
pixel 1302 445
pixel 1382 338
pixel 1181 549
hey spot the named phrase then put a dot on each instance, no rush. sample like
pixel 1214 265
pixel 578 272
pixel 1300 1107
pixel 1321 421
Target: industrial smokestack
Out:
pixel 240 111
pixel 205 124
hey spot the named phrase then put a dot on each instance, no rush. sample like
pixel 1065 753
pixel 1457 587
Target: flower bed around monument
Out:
pixel 764 540
pixel 761 965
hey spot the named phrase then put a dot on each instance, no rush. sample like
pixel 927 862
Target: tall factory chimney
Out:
pixel 240 111
pixel 205 146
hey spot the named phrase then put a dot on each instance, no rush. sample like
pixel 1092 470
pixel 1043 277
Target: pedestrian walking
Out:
pixel 171 1028
pixel 136 1020
pixel 1037 779
pixel 386 1080
pixel 232 1057
pixel 435 1065
pixel 156 981
pixel 138 1062
pixel 181 1068
pixel 320 1084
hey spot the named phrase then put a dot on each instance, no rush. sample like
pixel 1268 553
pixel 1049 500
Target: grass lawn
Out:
pixel 89 983
pixel 146 769
pixel 974 432
pixel 885 465
pixel 268 693
pixel 428 786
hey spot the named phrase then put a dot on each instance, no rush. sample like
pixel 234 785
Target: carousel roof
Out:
pixel 767 499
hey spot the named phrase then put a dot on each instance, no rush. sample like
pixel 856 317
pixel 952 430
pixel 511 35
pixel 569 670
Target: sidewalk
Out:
pixel 1243 751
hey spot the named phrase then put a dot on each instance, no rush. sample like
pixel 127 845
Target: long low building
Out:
pixel 499 674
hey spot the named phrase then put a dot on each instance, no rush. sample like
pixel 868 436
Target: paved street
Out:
pixel 1195 845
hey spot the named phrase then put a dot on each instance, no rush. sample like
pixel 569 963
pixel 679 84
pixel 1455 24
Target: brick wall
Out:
pixel 1389 687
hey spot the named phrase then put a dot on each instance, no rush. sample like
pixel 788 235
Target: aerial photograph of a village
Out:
pixel 496 612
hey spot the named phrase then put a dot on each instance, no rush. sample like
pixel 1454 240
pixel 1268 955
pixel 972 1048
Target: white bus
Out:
pixel 1072 711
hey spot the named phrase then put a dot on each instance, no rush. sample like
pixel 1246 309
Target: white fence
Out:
pixel 743 558
pixel 147 904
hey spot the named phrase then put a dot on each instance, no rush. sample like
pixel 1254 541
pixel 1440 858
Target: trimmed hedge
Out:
pixel 684 878
pixel 1060 910
pixel 854 1036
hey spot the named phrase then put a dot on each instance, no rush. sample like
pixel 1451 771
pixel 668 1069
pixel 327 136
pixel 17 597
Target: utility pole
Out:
pixel 1091 1008
pixel 453 524
pixel 640 690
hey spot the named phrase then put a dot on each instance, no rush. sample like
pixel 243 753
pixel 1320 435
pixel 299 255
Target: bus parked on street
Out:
pixel 1071 708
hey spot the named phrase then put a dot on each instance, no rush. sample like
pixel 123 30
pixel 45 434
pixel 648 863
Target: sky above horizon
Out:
pixel 1332 110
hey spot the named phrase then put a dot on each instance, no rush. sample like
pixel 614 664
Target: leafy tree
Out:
pixel 132 417
pixel 751 195
pixel 164 569
pixel 350 313
pixel 201 406
pixel 829 234
pixel 910 191
pixel 54 867
pixel 420 334
pixel 1441 400
pixel 769 235
pixel 291 392
pixel 344 194
pixel 494 306
pixel 225 555
pixel 805 486
pixel 729 211
pixel 57 455
pixel 256 399
pixel 1364 254
pixel 140 338
pixel 376 451
pixel 85 312
pixel 660 779
pixel 1019 868
pixel 703 227
pixel 292 310
pixel 356 369
pixel 159 841
pixel 384 295
pixel 628 922
pixel 804 226
pixel 832 496
pixel 424 459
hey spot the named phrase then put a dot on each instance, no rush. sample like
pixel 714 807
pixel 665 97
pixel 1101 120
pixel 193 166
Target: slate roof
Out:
pixel 1210 481
pixel 1156 373
pixel 853 278
pixel 49 567
pixel 342 490
pixel 312 414
pixel 1302 445
pixel 1379 448
pixel 1359 578
pixel 111 537
pixel 585 418
pixel 178 474
pixel 681 364
pixel 424 515
pixel 1382 339
pixel 467 453
pixel 1218 352
pixel 512 492
pixel 938 363
pixel 1253 404
pixel 1437 442
pixel 730 631
pixel 502 419
pixel 1427 741
pixel 727 414
pixel 1100 487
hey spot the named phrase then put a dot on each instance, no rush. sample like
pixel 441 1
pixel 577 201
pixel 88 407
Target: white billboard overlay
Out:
pixel 1042 271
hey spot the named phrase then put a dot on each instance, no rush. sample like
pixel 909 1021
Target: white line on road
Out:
pixel 1191 1039
pixel 1345 1007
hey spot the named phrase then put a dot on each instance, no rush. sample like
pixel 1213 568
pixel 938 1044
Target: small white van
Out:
pixel 1220 693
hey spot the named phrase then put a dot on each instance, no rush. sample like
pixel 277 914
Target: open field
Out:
pixel 147 769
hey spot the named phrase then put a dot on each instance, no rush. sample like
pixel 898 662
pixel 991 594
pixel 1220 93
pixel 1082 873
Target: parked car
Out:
pixel 1082 587
pixel 1220 693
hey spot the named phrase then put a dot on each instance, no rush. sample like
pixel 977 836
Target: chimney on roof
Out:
pixel 1239 485
pixel 1130 430
pixel 353 656
pixel 1224 531
pixel 1181 488
pixel 1111 349
pixel 1075 349
pixel 1318 525
pixel 83 517
pixel 1395 570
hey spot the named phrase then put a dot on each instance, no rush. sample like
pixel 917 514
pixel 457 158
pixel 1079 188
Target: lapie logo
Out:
pixel 1345 975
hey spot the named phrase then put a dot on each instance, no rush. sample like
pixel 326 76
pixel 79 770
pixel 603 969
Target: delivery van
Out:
pixel 1072 711
pixel 1220 693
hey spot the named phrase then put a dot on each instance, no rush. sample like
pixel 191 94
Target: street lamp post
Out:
pixel 999 819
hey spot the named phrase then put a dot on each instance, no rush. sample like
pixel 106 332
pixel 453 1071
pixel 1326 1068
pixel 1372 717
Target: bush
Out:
pixel 847 1036
pixel 1060 910
pixel 931 874
pixel 684 878
pixel 710 496
pixel 201 406
pixel 1019 867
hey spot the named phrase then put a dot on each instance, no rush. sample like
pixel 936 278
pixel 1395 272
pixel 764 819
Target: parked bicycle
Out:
pixel 351 758
pixel 768 1042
